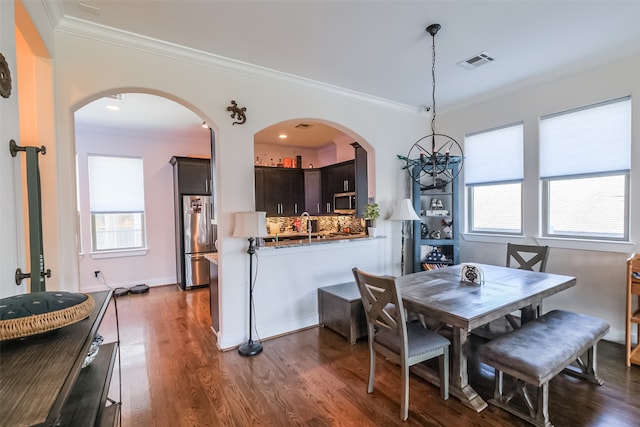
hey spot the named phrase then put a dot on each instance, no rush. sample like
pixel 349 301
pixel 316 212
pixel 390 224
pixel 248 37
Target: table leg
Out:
pixel 459 379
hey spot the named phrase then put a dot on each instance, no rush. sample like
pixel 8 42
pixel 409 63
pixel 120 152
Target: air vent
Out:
pixel 89 8
pixel 476 61
pixel 303 126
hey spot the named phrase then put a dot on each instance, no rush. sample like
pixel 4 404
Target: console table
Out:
pixel 42 381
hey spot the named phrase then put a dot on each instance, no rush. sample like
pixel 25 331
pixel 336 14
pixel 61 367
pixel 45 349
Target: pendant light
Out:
pixel 433 155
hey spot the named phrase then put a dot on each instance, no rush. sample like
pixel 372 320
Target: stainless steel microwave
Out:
pixel 344 203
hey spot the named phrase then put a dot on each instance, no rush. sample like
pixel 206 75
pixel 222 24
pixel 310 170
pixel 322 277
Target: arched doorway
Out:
pixel 147 130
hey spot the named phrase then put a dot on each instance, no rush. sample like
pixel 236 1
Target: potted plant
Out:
pixel 371 213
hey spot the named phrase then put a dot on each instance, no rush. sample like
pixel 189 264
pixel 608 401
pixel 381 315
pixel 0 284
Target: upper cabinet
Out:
pixel 338 178
pixel 192 175
pixel 291 191
pixel 279 191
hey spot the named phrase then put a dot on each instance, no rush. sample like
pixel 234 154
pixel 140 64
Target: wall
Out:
pixel 86 67
pixel 157 266
pixel 11 225
pixel 599 268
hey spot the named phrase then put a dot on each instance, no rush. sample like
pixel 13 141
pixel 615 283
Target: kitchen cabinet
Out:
pixel 43 382
pixel 192 175
pixel 279 191
pixel 313 191
pixel 337 178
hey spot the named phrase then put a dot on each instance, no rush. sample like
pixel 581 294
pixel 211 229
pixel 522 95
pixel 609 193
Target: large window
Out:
pixel 116 197
pixel 585 158
pixel 493 176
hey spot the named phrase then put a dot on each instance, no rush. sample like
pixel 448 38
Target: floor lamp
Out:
pixel 250 225
pixel 403 211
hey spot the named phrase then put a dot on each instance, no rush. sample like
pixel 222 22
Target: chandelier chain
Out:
pixel 433 84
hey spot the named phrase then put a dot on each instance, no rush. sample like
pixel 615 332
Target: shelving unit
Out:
pixel 633 309
pixel 431 217
pixel 44 384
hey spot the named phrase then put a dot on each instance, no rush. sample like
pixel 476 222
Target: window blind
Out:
pixel 590 140
pixel 116 184
pixel 494 155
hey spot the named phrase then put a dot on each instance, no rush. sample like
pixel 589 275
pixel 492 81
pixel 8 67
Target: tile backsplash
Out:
pixel 328 224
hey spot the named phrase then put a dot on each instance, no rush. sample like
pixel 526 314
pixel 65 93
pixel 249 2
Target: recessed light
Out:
pixel 112 107
pixel 282 136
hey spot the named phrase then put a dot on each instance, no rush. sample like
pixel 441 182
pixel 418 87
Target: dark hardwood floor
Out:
pixel 173 375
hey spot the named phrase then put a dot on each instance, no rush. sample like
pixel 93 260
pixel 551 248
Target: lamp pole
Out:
pixel 250 348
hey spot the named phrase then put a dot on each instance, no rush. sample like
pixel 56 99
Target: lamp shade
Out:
pixel 403 211
pixel 250 224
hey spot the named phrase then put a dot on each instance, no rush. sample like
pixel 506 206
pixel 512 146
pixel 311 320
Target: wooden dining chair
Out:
pixel 528 257
pixel 405 344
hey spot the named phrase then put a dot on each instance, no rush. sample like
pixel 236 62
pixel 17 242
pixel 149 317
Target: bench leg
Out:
pixel 586 366
pixel 538 413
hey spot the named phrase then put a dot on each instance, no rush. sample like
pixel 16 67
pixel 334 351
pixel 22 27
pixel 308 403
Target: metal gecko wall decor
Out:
pixel 237 113
pixel 5 78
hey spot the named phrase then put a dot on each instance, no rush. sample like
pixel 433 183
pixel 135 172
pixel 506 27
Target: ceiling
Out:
pixel 381 49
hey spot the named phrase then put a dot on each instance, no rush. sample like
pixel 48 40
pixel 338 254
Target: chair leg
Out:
pixel 443 366
pixel 404 406
pixel 372 369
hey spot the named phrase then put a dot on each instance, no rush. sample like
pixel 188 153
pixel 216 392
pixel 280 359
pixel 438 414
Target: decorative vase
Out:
pixel 373 232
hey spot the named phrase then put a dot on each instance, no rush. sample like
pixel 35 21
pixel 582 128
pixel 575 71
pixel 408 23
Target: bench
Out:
pixel 340 309
pixel 538 351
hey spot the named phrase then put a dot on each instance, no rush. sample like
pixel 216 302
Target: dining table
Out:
pixel 447 297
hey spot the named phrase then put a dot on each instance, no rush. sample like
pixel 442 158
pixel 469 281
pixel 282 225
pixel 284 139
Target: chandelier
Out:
pixel 431 160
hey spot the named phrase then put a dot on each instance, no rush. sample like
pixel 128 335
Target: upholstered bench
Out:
pixel 538 351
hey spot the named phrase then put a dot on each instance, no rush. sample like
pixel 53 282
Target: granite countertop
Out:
pixel 316 239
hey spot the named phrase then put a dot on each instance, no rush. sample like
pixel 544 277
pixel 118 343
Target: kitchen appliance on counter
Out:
pixel 198 238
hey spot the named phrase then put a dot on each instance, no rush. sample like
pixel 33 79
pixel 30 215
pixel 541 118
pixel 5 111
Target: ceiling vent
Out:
pixel 476 61
pixel 303 126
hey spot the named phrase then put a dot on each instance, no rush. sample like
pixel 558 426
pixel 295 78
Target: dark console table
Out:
pixel 42 381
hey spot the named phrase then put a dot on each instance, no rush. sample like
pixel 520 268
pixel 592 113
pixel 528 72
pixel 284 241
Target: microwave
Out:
pixel 344 203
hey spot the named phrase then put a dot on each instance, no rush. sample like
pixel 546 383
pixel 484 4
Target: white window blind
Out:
pixel 116 184
pixel 495 155
pixel 590 140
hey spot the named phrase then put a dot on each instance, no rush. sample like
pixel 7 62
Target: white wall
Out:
pixel 86 67
pixel 11 225
pixel 599 268
pixel 157 266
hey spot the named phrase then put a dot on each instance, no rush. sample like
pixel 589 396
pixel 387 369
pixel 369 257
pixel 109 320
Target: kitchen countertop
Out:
pixel 317 239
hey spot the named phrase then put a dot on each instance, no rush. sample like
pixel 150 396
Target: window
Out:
pixel 585 158
pixel 493 176
pixel 116 198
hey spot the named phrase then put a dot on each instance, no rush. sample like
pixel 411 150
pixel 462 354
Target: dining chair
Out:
pixel 528 257
pixel 523 257
pixel 401 342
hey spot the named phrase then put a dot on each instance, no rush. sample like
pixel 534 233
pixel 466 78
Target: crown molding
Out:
pixel 86 29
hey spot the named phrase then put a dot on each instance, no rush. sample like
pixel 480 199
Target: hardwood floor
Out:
pixel 173 375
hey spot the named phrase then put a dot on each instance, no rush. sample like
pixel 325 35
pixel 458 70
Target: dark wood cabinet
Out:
pixel 313 191
pixel 43 382
pixel 192 175
pixel 338 178
pixel 279 191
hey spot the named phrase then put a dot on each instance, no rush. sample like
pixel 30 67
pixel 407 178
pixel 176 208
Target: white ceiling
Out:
pixel 380 48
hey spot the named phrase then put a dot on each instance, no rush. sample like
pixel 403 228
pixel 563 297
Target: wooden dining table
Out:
pixel 441 295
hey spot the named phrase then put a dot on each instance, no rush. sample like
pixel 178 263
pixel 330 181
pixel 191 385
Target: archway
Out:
pixel 152 127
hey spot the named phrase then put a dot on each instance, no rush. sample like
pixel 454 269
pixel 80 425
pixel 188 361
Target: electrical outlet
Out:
pixel 96 273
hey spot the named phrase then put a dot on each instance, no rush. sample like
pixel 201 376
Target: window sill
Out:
pixel 119 253
pixel 554 242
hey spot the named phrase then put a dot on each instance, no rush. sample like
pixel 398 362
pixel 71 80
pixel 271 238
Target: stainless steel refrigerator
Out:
pixel 198 236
